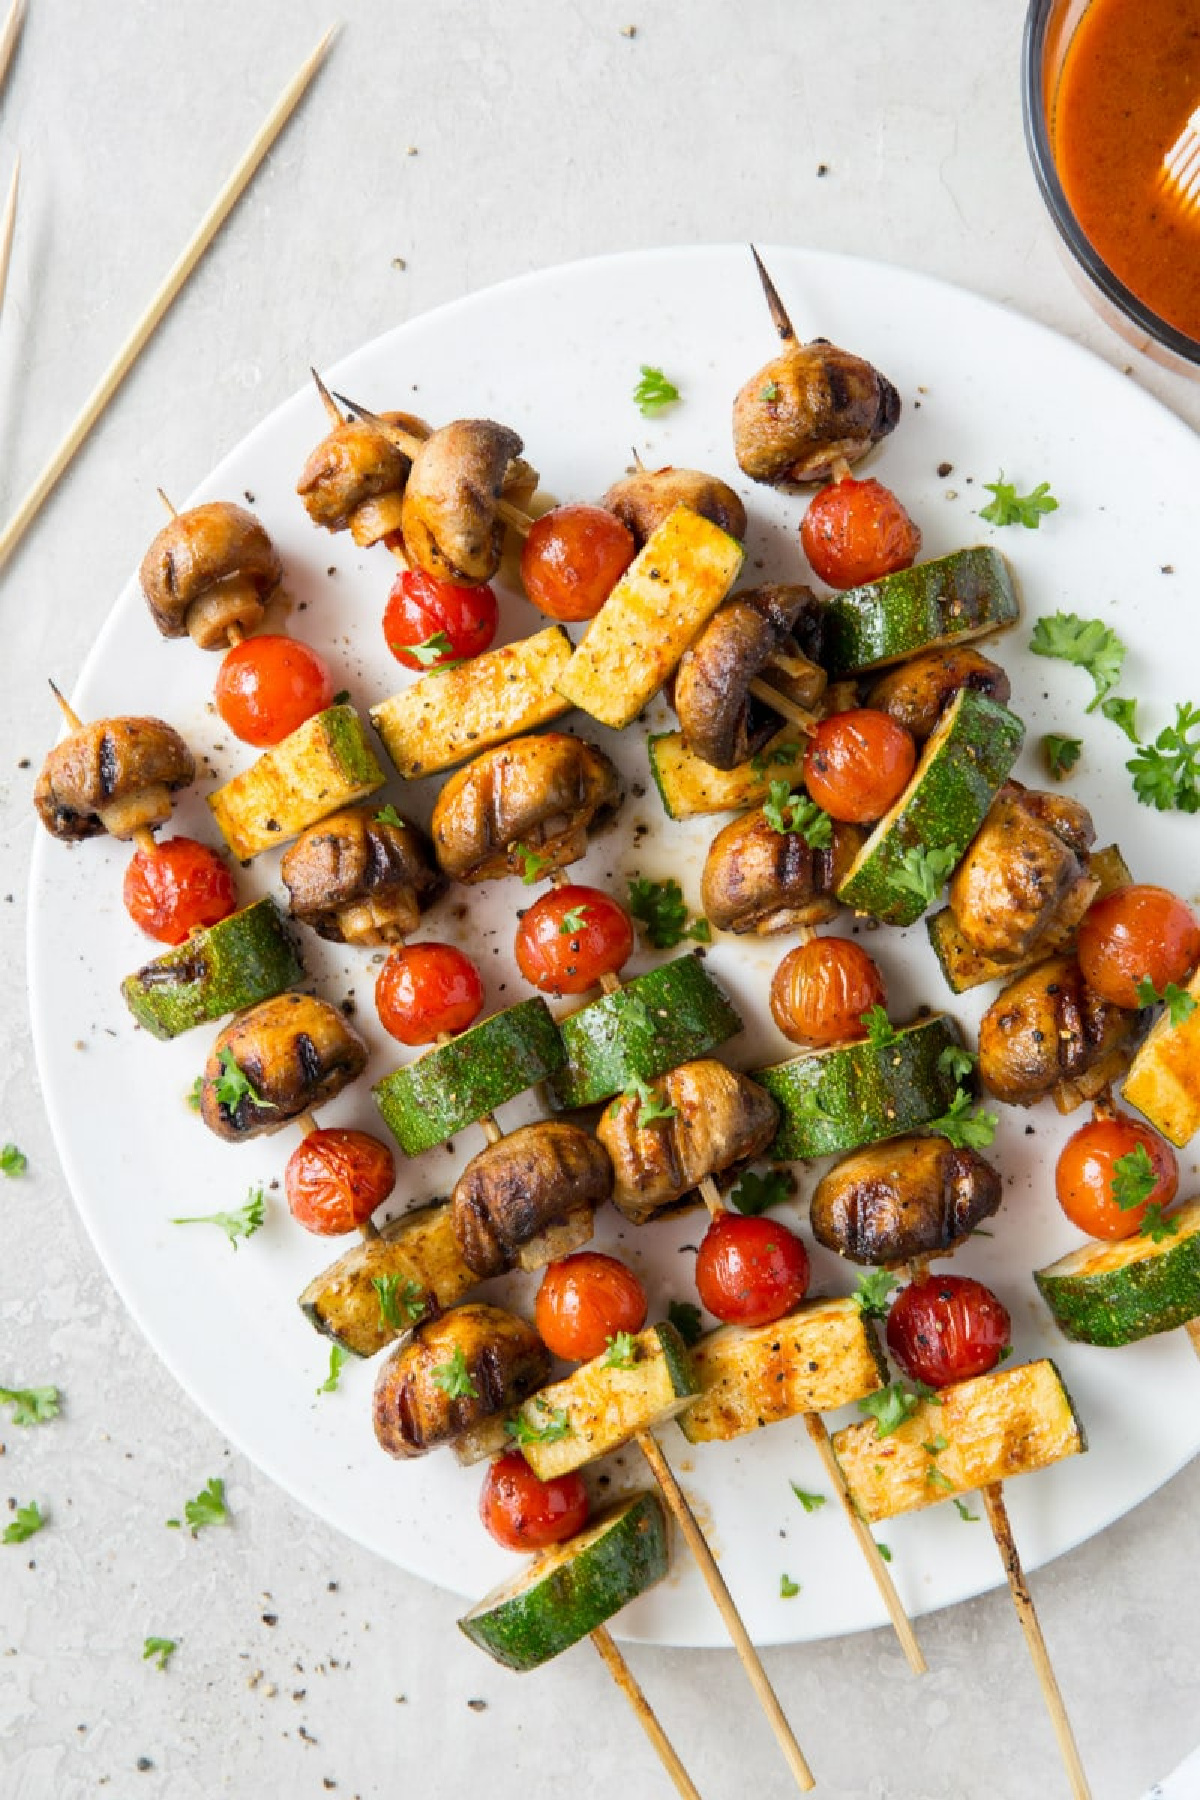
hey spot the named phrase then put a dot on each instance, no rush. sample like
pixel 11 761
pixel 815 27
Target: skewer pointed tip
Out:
pixel 167 503
pixel 775 306
pixel 67 710
pixel 327 399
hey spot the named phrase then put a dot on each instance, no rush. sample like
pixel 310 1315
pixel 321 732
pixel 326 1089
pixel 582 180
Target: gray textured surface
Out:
pixel 542 133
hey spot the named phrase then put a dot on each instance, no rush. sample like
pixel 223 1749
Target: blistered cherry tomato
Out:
pixel 572 560
pixel 268 685
pixel 523 1513
pixel 750 1271
pixel 821 990
pixel 428 622
pixel 177 886
pixel 424 990
pixel 856 531
pixel 1136 931
pixel 571 937
pixel 857 763
pixel 947 1328
pixel 1090 1185
pixel 336 1179
pixel 584 1300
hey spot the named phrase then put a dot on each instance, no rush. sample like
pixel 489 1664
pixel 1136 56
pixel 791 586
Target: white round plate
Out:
pixel 556 355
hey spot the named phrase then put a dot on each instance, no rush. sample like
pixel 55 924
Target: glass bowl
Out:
pixel 1049 28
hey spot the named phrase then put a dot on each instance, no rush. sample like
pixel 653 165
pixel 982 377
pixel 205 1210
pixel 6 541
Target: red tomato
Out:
pixel 424 990
pixel 584 1300
pixel 523 1513
pixel 947 1328
pixel 1136 931
pixel 571 937
pixel 269 685
pixel 176 887
pixel 821 990
pixel 1087 1170
pixel 449 623
pixel 858 763
pixel 572 560
pixel 856 531
pixel 335 1180
pixel 750 1271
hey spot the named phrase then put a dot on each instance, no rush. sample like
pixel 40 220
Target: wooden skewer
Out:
pixel 8 228
pixel 9 35
pixel 520 521
pixel 331 406
pixel 624 1677
pixel 176 276
pixel 787 709
pixel 775 306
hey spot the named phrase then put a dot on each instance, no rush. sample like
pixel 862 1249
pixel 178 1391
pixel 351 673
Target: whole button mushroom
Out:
pixel 114 775
pixel 209 574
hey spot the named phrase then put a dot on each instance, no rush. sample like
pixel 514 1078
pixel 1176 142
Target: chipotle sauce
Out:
pixel 1130 80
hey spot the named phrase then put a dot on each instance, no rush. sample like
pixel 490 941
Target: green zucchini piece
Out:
pixel 856 1094
pixel 453 1085
pixel 963 766
pixel 690 788
pixel 220 969
pixel 417 1254
pixel 951 600
pixel 670 1015
pixel 1114 1293
pixel 570 1589
pixel 601 1405
pixel 325 764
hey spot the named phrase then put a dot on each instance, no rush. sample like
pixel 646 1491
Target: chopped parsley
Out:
pixel 788 812
pixel 1011 508
pixel 338 1357
pixel 1088 643
pixel 399 1307
pixel 883 1551
pixel 880 1030
pixel 661 911
pixel 957 1062
pixel 233 1085
pixel 208 1508
pixel 966 1129
pixel 686 1319
pixel 31 1406
pixel 1179 1003
pixel 894 1405
pixel 241 1224
pixel 1166 774
pixel 935 1478
pixel 535 866
pixel 964 1512
pixel 769 392
pixel 454 1377
pixel 159 1651
pixel 788 1589
pixel 387 815
pixel 622 1351
pixel 433 652
pixel 28 1520
pixel 1157 1226
pixel 572 921
pixel 194 1093
pixel 651 1107
pixel 870 1296
pixel 12 1161
pixel 754 1194
pixel 1060 754
pixel 810 1502
pixel 1122 713
pixel 653 392
pixel 557 1426
pixel 1134 1178
pixel 924 872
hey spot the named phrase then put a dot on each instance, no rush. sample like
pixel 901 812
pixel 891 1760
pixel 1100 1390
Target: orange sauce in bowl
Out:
pixel 1130 80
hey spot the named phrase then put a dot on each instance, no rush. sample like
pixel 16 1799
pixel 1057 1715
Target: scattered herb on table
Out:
pixel 1123 713
pixel 788 1589
pixel 208 1508
pixel 964 1512
pixel 1010 508
pixel 241 1224
pixel 13 1162
pixel 28 1520
pixel 159 1650
pixel 31 1406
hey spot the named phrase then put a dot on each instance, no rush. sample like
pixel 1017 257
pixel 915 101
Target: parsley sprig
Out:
pixel 661 911
pixel 572 921
pixel 208 1507
pixel 28 1519
pixel 241 1224
pixel 880 1030
pixel 652 1106
pixel 1134 1178
pixel 1179 1003
pixel 755 1194
pixel 454 1378
pixel 622 1351
pixel 1166 773
pixel 774 756
pixel 957 1062
pixel 399 1306
pixel 233 1085
pixel 870 1296
pixel 31 1406
pixel 535 865
pixel 894 1405
pixel 435 652
pixel 788 1589
pixel 557 1425
pixel 387 815
pixel 654 391
pixel 1011 508
pixel 1157 1226
pixel 966 1129
pixel 923 871
pixel 789 812
pixel 1088 643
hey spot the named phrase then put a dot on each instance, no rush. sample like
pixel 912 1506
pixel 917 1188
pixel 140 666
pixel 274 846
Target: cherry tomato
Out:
pixel 857 763
pixel 1087 1169
pixel 584 1300
pixel 571 937
pixel 947 1328
pixel 335 1180
pixel 177 886
pixel 1136 931
pixel 447 622
pixel 821 990
pixel 269 685
pixel 572 560
pixel 523 1513
pixel 424 990
pixel 750 1271
pixel 856 531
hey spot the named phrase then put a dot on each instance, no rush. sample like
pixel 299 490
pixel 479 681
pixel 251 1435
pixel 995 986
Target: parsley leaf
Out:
pixel 965 1129
pixel 622 1351
pixel 398 1307
pixel 337 1359
pixel 872 1291
pixel 31 1406
pixel 883 1551
pixel 659 907
pixel 893 1405
pixel 1088 643
pixel 233 1085
pixel 1011 508
pixel 1134 1178
pixel 686 1319
pixel 923 872
pixel 935 1478
pixel 434 652
pixel 810 1502
pixel 957 1062
pixel 1179 1003
pixel 12 1161
pixel 1122 713
pixel 788 1589
pixel 572 921
pixel 755 1193
pixel 387 815
pixel 558 1425
pixel 1166 774
pixel 965 1514
pixel 1157 1226
pixel 194 1093
pixel 653 392
pixel 786 812
pixel 769 391
pixel 454 1377
pixel 880 1030
pixel 1060 754
pixel 208 1508
pixel 535 865
pixel 773 756
pixel 651 1106
pixel 159 1650
pixel 28 1520
pixel 235 1225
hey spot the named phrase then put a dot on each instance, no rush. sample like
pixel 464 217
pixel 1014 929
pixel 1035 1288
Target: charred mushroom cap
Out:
pixel 643 500
pixel 913 1196
pixel 536 794
pixel 353 465
pixel 762 880
pixel 450 520
pixel 811 405
pixel 294 1053
pixel 1048 1027
pixel 357 879
pixel 512 1191
pixel 500 1359
pixel 192 556
pixel 113 775
pixel 721 720
pixel 917 692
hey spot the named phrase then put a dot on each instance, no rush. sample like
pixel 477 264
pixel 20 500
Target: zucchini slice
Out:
pixel 856 1094
pixel 452 714
pixel 570 1589
pixel 662 602
pixel 324 765
pixel 999 1425
pixel 418 1254
pixel 219 969
pixel 600 1406
pixel 963 766
pixel 671 1015
pixel 1164 1077
pixel 1114 1293
pixel 689 787
pixel 819 1357
pixel 951 600
pixel 453 1085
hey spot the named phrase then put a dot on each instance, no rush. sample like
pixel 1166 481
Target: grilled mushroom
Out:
pixel 1026 868
pixel 722 721
pixel 763 880
pixel 712 1119
pixel 917 692
pixel 530 1198
pixel 454 1375
pixel 211 568
pixel 274 1061
pixel 450 521
pixel 114 775
pixel 355 478
pixel 642 501
pixel 812 406
pixel 357 879
pixel 913 1196
pixel 1047 1032
pixel 536 795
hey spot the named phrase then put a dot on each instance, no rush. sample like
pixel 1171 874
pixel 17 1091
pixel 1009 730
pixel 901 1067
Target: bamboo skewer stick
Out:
pixel 624 1677
pixel 9 35
pixel 775 306
pixel 8 226
pixel 176 276
pixel 787 709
